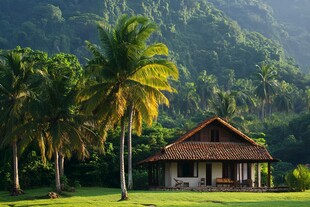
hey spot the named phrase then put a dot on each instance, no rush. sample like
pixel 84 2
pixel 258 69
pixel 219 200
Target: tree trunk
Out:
pixel 61 165
pixel 57 176
pixel 124 195
pixel 263 110
pixel 16 187
pixel 130 180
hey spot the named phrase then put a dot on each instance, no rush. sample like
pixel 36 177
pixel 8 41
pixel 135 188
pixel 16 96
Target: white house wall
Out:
pixel 171 173
pixel 217 169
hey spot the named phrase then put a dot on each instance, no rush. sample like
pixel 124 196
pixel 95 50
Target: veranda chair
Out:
pixel 178 183
pixel 202 182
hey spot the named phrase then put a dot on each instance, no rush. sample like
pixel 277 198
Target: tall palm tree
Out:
pixel 16 71
pixel 207 85
pixel 124 61
pixel 266 84
pixel 144 102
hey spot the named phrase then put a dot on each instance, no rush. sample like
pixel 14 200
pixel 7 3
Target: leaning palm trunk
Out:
pixel 124 195
pixel 16 187
pixel 130 180
pixel 57 176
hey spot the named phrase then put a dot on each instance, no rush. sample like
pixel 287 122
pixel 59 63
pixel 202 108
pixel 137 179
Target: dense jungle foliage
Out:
pixel 226 54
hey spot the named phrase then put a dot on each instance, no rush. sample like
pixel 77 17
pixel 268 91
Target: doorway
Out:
pixel 208 174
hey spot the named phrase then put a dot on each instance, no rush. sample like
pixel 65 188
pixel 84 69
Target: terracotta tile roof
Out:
pixel 209 121
pixel 245 150
pixel 212 151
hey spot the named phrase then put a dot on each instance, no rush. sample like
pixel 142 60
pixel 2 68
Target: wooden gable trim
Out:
pixel 207 122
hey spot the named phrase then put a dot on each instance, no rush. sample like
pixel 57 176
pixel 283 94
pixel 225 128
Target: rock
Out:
pixel 53 195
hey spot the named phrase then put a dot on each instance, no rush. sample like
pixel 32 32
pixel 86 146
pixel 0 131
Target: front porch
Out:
pixel 223 189
pixel 206 176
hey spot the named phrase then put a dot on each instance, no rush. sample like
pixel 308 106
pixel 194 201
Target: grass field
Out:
pixel 108 197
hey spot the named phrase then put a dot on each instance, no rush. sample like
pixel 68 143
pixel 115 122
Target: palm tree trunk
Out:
pixel 124 195
pixel 61 165
pixel 263 110
pixel 57 176
pixel 130 180
pixel 16 187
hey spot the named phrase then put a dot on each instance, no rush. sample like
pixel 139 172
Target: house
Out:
pixel 212 154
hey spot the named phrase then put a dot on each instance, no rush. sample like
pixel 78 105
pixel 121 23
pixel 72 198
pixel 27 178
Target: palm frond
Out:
pixel 155 49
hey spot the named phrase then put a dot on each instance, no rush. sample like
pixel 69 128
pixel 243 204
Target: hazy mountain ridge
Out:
pixel 284 21
pixel 199 34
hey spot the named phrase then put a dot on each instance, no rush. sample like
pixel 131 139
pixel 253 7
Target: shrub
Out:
pixel 34 172
pixel 5 177
pixel 298 179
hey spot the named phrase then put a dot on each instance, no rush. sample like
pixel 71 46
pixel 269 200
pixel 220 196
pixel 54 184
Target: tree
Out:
pixel 59 127
pixel 16 91
pixel 124 61
pixel 207 85
pixel 283 99
pixel 245 95
pixel 225 105
pixel 143 106
pixel 266 84
pixel 299 178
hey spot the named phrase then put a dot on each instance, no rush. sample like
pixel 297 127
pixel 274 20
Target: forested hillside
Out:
pixel 238 60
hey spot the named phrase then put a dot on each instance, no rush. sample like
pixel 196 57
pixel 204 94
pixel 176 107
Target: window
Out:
pixel 215 135
pixel 187 169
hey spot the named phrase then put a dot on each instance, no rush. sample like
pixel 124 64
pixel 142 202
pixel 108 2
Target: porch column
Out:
pixel 268 176
pixel 253 174
pixel 259 180
pixel 240 174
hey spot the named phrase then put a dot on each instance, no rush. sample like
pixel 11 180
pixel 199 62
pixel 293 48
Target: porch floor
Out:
pixel 222 189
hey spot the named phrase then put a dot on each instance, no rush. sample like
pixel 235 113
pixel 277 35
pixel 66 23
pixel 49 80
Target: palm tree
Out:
pixel 266 84
pixel 124 61
pixel 245 95
pixel 144 102
pixel 207 85
pixel 15 93
pixel 284 97
pixel 225 105
pixel 59 127
pixel 63 127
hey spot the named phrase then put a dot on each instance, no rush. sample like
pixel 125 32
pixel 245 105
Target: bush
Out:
pixel 279 172
pixel 5 177
pixel 34 172
pixel 298 179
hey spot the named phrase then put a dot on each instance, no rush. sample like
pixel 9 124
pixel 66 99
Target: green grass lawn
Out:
pixel 85 197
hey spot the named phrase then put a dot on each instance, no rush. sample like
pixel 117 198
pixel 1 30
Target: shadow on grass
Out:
pixel 38 204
